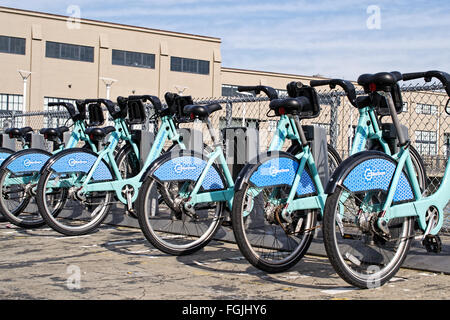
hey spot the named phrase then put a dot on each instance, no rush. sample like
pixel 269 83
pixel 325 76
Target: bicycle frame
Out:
pixel 286 129
pixel 166 132
pixel 365 132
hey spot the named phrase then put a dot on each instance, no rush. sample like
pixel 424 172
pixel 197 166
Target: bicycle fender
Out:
pixel 370 170
pixel 27 160
pixel 272 169
pixel 5 154
pixel 79 160
pixel 182 165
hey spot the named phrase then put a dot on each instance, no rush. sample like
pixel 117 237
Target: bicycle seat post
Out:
pixel 401 137
pixel 300 131
pixel 212 132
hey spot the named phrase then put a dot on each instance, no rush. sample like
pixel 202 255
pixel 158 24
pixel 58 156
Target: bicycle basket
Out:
pixel 179 103
pixel 313 110
pixel 96 116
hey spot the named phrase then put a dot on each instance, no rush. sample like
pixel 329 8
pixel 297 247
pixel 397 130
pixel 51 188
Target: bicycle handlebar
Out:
pixel 111 106
pixel 348 87
pixel 153 100
pixel 270 92
pixel 443 77
pixel 69 106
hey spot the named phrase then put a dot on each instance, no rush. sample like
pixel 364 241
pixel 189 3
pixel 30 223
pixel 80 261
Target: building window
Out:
pixel 405 107
pixel 272 125
pixel 447 144
pixel 69 51
pixel 12 45
pixel 229 90
pixel 56 120
pixel 422 108
pixel 189 65
pixel 426 142
pixel 8 104
pixel 133 59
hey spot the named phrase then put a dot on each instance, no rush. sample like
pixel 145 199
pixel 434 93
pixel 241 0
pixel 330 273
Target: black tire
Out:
pixel 266 244
pixel 334 159
pixel 71 226
pixel 419 167
pixel 176 232
pixel 358 249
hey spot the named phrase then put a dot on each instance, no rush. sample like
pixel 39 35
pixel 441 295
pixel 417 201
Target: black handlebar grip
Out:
pixel 141 97
pixel 318 83
pixel 247 88
pixel 413 75
pixel 54 104
pixel 269 91
pixel 69 107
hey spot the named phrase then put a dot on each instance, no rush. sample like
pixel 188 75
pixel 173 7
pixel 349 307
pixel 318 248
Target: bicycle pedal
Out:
pixel 432 243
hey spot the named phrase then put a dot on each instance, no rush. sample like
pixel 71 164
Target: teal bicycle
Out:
pixel 91 181
pixel 279 198
pixel 19 134
pixel 375 203
pixel 19 172
pixel 204 186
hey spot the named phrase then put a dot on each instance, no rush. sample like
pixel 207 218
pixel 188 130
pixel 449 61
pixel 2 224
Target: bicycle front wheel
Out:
pixel 266 239
pixel 83 211
pixel 177 232
pixel 186 230
pixel 359 254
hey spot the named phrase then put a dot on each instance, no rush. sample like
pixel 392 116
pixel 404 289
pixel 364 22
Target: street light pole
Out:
pixel 25 75
pixel 108 83
pixel 180 89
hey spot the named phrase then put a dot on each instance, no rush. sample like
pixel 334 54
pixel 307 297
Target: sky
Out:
pixel 340 39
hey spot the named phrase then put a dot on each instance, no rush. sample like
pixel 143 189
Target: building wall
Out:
pixel 76 79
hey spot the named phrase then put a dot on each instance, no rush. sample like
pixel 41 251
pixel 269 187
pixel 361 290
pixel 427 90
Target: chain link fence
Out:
pixel 423 114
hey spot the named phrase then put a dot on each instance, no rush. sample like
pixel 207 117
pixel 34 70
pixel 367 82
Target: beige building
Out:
pixel 71 59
